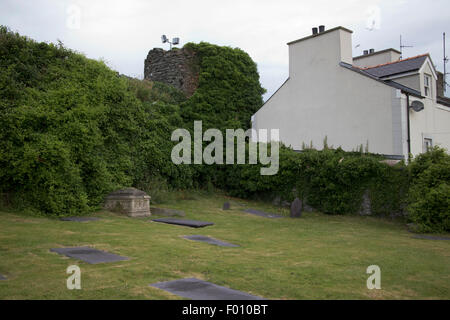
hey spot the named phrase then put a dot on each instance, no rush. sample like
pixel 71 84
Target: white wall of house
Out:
pixel 434 121
pixel 411 81
pixel 430 123
pixel 322 99
pixel 376 58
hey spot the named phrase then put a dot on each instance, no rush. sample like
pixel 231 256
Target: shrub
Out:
pixel 229 91
pixel 71 129
pixel 332 181
pixel 429 195
pixel 388 190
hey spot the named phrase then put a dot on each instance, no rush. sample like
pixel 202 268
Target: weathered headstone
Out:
pixel 226 206
pixel 2 277
pixel 296 208
pixel 129 201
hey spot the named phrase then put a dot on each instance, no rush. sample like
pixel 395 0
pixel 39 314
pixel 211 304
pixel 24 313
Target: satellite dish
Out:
pixel 417 106
pixel 175 40
pixel 163 38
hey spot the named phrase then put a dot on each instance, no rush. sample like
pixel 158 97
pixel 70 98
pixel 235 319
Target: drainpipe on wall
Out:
pixel 407 126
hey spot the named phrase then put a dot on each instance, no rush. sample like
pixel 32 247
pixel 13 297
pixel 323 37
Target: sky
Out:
pixel 122 32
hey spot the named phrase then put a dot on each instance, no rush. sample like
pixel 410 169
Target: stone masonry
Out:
pixel 176 67
pixel 129 201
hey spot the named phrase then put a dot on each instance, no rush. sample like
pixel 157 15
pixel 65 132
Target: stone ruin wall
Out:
pixel 176 67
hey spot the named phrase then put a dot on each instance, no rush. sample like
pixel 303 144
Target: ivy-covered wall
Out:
pixel 176 67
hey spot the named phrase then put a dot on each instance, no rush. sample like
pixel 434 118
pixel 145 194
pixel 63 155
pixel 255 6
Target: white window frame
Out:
pixel 427 144
pixel 427 85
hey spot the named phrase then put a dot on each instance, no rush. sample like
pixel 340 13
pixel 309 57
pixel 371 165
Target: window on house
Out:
pixel 427 144
pixel 427 85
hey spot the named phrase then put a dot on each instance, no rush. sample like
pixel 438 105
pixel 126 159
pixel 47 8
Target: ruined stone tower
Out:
pixel 176 67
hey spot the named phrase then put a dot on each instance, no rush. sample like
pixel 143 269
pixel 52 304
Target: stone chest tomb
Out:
pixel 129 201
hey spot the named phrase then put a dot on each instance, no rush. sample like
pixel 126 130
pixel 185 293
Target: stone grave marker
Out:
pixel 196 289
pixel 129 201
pixel 89 255
pixel 296 208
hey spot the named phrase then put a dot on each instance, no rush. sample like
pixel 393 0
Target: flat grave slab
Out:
pixel 2 277
pixel 89 255
pixel 186 223
pixel 79 219
pixel 262 213
pixel 196 289
pixel 210 241
pixel 422 236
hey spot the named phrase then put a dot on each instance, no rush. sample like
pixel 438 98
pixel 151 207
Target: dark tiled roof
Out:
pixel 393 68
pixel 444 100
pixel 387 82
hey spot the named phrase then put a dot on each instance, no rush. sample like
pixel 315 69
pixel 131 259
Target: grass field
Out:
pixel 315 257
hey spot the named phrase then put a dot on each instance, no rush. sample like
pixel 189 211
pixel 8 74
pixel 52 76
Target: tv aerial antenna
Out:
pixel 174 41
pixel 402 46
pixel 445 63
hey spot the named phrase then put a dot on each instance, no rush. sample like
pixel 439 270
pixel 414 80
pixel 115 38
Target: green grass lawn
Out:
pixel 315 257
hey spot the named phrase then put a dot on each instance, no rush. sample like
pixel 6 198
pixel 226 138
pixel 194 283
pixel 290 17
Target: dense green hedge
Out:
pixel 72 130
pixel 229 91
pixel 429 195
pixel 332 181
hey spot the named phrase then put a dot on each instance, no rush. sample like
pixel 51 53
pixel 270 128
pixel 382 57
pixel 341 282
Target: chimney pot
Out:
pixel 321 28
pixel 366 52
pixel 372 51
pixel 314 30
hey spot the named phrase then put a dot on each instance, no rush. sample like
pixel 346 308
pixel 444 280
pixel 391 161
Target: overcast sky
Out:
pixel 122 32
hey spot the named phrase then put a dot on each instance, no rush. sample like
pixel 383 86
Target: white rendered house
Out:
pixel 366 100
